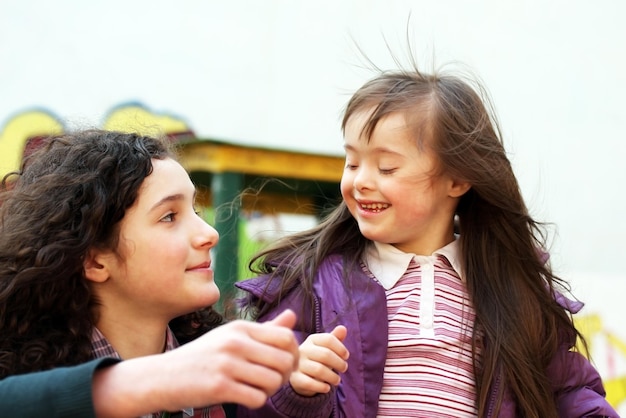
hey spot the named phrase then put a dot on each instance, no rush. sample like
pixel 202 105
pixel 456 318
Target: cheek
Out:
pixel 154 252
pixel 346 186
pixel 170 252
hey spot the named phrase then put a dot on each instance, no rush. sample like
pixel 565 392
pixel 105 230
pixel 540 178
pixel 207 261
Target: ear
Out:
pixel 458 188
pixel 94 266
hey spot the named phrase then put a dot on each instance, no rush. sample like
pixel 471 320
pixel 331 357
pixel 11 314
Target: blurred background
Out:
pixel 264 83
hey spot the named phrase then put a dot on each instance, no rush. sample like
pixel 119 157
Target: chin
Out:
pixel 203 297
pixel 213 297
pixel 372 236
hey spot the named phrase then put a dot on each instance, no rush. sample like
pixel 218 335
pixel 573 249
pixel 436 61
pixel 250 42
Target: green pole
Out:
pixel 226 188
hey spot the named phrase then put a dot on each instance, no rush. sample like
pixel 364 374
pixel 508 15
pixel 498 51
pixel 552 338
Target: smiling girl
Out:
pixel 404 313
pixel 100 249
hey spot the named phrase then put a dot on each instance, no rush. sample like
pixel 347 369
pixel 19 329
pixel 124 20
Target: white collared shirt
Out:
pixel 388 263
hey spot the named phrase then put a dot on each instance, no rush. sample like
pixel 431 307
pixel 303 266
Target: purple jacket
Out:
pixel 363 310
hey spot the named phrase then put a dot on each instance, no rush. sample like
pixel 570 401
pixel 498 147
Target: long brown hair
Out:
pixel 69 196
pixel 512 287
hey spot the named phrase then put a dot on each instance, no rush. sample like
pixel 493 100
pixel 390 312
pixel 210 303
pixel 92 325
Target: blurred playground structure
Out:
pixel 288 191
pixel 608 352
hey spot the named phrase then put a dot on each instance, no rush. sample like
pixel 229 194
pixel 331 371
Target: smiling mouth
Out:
pixel 202 266
pixel 374 207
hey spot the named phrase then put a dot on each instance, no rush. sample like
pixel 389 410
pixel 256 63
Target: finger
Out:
pixel 322 372
pixel 287 318
pixel 340 332
pixel 247 396
pixel 241 392
pixel 322 356
pixel 273 358
pixel 307 386
pixel 261 344
pixel 331 343
pixel 236 368
pixel 266 379
pixel 274 335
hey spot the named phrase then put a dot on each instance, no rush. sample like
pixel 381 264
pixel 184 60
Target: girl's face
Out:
pixel 390 188
pixel 164 264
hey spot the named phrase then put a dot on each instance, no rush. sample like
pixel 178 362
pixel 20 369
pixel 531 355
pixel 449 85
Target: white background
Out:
pixel 278 73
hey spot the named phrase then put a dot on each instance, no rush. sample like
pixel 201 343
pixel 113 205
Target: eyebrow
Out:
pixel 171 198
pixel 378 150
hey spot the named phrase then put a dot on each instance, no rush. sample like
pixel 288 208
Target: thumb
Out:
pixel 287 318
pixel 340 332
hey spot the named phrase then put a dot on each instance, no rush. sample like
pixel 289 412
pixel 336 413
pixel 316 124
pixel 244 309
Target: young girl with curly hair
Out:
pixel 102 254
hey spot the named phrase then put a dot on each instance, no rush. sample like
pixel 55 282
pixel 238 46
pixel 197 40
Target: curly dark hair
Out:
pixel 69 196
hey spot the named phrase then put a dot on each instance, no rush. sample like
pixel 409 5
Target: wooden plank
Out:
pixel 219 158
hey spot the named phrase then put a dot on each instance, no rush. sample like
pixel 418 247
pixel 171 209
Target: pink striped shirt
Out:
pixel 429 368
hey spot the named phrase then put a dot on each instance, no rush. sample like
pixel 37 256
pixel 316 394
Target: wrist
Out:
pixel 126 389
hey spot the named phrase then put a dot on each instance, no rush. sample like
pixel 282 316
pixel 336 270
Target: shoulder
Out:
pixel 270 285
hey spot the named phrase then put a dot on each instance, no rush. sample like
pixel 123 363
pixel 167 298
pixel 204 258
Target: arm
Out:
pixel 576 383
pixel 241 362
pixel 579 390
pixel 62 392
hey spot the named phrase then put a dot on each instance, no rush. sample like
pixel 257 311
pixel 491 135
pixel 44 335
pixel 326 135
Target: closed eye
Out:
pixel 387 170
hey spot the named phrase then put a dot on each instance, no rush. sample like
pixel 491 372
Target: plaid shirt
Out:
pixel 102 348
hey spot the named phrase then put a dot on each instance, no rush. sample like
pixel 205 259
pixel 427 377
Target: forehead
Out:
pixel 413 123
pixel 168 177
pixel 390 130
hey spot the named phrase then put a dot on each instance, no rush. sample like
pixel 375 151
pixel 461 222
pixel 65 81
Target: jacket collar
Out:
pixel 388 264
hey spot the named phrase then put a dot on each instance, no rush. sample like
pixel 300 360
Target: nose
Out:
pixel 362 179
pixel 205 235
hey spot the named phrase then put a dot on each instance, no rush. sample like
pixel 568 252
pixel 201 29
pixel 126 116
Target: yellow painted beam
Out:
pixel 218 158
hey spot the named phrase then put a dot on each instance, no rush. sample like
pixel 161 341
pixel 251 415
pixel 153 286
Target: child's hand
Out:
pixel 322 358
